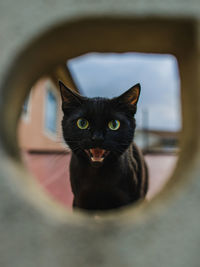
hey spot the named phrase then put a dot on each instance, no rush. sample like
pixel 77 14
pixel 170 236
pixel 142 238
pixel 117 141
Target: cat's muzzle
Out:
pixel 96 154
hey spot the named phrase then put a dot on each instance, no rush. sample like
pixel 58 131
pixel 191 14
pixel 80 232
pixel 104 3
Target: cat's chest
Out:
pixel 110 177
pixel 99 176
pixel 84 175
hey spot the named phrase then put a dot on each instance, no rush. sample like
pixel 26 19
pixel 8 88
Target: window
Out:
pixel 26 108
pixel 51 112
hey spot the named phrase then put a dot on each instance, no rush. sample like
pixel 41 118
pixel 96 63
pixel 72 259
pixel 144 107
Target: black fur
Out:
pixel 122 177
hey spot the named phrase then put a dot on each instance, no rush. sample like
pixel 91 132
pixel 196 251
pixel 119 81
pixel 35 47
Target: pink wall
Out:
pixel 31 131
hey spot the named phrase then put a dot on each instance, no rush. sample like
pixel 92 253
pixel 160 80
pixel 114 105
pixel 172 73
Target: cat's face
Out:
pixel 98 129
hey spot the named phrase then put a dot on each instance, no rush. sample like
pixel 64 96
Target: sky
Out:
pixel 111 74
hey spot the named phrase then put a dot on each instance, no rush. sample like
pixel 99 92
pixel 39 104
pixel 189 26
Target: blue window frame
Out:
pixel 25 106
pixel 51 112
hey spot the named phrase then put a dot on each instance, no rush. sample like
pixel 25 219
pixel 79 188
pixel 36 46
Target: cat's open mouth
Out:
pixel 96 154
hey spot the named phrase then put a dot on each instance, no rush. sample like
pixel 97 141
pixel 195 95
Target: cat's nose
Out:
pixel 97 137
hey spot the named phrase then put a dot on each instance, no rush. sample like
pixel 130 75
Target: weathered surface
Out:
pixel 34 230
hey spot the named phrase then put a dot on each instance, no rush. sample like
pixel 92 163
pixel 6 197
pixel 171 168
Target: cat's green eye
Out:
pixel 114 125
pixel 82 124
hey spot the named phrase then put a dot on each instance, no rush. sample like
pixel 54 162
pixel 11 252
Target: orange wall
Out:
pixel 31 129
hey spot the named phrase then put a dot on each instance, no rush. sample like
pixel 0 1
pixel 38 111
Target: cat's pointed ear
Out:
pixel 131 96
pixel 69 98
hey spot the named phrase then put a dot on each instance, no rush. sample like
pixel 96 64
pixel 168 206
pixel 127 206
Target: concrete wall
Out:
pixel 35 37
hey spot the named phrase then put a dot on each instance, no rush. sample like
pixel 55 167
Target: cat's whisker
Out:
pixel 72 141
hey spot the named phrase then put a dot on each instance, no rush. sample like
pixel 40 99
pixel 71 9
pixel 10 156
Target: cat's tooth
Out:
pixel 97 159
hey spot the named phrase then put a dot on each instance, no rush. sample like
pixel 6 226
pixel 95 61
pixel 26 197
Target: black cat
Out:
pixel 107 170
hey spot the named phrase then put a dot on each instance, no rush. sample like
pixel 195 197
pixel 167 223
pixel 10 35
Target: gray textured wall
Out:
pixel 34 230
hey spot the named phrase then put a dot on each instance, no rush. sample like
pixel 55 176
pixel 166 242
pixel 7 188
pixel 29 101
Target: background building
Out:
pixel 39 127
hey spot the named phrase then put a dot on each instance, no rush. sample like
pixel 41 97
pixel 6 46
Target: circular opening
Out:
pixel 47 156
pixel 53 53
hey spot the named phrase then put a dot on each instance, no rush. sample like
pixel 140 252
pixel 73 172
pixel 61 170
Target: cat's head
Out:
pixel 98 129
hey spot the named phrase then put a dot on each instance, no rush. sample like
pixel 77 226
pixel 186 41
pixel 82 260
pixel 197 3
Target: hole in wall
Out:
pixel 106 75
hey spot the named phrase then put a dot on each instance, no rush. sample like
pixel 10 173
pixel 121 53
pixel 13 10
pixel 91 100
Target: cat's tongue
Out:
pixel 97 154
